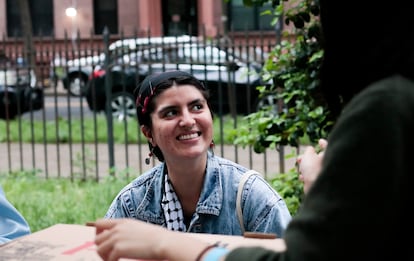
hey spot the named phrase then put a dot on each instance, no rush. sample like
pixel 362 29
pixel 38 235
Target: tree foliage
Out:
pixel 297 108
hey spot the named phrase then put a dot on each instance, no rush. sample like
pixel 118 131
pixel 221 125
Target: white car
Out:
pixel 12 74
pixel 78 70
pixel 231 81
pixel 18 90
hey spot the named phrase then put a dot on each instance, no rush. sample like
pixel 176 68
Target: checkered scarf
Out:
pixel 173 211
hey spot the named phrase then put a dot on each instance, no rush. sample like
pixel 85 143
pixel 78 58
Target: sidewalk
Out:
pixel 62 160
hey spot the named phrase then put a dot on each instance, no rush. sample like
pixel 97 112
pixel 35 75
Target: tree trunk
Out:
pixel 29 47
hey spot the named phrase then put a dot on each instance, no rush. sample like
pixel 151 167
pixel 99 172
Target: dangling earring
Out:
pixel 212 145
pixel 147 160
pixel 150 154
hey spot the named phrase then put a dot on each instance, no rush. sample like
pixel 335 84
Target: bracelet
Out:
pixel 215 254
pixel 205 250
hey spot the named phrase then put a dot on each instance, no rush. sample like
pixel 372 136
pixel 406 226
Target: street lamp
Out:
pixel 72 12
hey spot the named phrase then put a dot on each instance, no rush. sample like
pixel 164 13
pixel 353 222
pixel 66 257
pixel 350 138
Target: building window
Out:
pixel 105 15
pixel 41 16
pixel 242 18
pixel 179 17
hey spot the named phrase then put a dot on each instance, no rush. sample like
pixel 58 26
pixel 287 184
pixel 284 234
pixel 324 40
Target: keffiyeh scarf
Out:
pixel 173 211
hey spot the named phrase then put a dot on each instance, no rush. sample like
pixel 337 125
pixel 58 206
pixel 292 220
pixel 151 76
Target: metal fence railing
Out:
pixel 75 131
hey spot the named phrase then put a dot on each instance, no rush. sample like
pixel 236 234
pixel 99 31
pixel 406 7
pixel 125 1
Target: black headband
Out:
pixel 150 83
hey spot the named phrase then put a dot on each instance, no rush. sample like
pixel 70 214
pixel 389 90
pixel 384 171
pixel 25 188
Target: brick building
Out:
pixel 132 17
pixel 74 28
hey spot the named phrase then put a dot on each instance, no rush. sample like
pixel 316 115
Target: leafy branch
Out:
pixel 296 109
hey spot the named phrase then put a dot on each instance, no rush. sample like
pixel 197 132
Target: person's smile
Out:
pixel 189 136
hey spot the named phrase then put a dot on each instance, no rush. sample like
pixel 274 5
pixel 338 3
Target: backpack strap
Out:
pixel 243 180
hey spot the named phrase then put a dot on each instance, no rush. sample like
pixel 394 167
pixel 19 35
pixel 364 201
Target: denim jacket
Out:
pixel 263 208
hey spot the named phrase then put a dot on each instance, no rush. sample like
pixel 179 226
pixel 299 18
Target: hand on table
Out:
pixel 134 239
pixel 116 238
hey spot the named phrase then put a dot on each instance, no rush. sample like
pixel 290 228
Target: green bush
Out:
pixel 293 67
pixel 290 188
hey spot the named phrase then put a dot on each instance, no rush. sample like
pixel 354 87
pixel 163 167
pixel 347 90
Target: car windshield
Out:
pixel 187 53
pixel 126 46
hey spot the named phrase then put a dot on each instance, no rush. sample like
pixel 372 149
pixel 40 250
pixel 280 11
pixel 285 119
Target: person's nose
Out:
pixel 187 120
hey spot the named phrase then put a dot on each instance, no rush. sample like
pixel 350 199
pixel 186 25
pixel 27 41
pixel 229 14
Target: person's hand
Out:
pixel 135 239
pixel 310 164
pixel 127 238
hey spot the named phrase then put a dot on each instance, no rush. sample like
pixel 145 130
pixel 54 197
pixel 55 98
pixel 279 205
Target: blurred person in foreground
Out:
pixel 358 205
pixel 191 189
pixel 12 223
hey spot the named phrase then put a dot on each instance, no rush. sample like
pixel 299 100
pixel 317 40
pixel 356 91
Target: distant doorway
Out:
pixel 179 17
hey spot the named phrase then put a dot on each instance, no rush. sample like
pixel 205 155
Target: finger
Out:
pixel 102 237
pixel 113 255
pixel 309 150
pixel 298 161
pixel 104 224
pixel 104 244
pixel 323 143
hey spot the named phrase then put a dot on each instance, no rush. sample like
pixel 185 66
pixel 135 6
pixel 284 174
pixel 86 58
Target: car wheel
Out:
pixel 123 106
pixel 8 105
pixel 35 98
pixel 76 85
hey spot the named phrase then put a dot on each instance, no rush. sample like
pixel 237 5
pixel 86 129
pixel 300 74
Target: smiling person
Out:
pixel 192 189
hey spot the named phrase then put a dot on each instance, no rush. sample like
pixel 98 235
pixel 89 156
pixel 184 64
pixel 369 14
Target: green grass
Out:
pixel 45 202
pixel 76 131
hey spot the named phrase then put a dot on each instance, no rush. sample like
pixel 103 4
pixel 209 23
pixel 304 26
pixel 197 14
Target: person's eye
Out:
pixel 197 107
pixel 170 113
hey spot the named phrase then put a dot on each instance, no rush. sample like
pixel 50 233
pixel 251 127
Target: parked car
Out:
pixel 232 82
pixel 79 69
pixel 76 72
pixel 57 69
pixel 18 91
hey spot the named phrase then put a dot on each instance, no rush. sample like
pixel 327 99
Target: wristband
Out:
pixel 215 254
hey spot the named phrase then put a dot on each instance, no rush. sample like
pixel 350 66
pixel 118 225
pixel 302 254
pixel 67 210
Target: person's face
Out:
pixel 182 125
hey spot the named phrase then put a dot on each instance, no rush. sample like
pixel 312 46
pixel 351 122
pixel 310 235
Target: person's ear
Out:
pixel 147 133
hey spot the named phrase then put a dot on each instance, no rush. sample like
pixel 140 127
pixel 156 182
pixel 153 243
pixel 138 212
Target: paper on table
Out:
pixel 59 242
pixel 70 242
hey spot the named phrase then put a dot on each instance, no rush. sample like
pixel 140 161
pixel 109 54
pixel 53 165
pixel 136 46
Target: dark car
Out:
pixel 232 82
pixel 18 91
pixel 76 71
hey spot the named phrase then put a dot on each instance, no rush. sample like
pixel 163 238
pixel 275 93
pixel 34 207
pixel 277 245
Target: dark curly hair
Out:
pixel 152 86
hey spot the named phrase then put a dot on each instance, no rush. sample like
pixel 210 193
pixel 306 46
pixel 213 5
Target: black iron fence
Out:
pixel 71 114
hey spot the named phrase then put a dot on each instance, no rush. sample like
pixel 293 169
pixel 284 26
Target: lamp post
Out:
pixel 71 12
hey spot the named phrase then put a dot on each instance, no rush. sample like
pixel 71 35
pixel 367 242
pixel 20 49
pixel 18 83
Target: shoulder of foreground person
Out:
pixel 367 155
pixel 365 181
